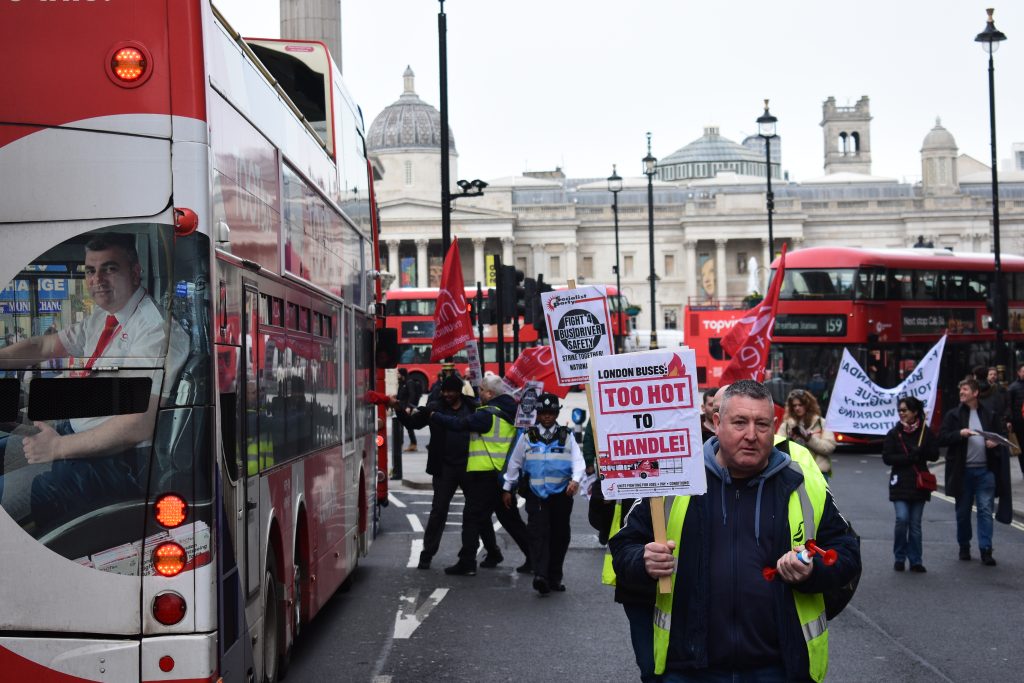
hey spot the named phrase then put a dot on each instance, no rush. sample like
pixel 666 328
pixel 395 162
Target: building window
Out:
pixel 521 263
pixel 670 314
pixel 587 267
pixel 627 265
pixel 741 262
pixel 555 266
pixel 670 265
pixel 408 173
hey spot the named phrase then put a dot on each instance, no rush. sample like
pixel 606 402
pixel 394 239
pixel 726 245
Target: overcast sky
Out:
pixel 577 83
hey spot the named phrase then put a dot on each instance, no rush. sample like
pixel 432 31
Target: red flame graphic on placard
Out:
pixel 675 367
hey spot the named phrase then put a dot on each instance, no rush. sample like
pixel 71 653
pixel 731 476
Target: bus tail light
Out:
pixel 171 510
pixel 166 663
pixel 129 64
pixel 380 440
pixel 169 559
pixel 168 609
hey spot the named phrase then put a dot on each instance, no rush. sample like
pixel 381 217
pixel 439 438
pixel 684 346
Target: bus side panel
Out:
pixel 68 660
pixel 326 491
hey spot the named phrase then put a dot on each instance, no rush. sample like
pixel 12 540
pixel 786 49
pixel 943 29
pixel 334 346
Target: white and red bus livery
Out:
pixel 187 297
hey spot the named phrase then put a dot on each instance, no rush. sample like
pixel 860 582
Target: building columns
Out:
pixel 570 262
pixel 393 261
pixel 538 259
pixel 691 270
pixel 721 291
pixel 507 257
pixel 478 259
pixel 422 267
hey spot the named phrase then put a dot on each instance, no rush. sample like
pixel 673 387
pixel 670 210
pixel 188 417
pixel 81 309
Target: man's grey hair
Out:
pixel 494 384
pixel 745 387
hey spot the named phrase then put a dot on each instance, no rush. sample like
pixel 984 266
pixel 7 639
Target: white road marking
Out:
pixel 394 501
pixel 414 552
pixel 408 618
pixel 414 522
pixel 381 679
pixel 942 496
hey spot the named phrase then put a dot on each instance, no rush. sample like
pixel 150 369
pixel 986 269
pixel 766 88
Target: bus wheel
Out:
pixel 271 624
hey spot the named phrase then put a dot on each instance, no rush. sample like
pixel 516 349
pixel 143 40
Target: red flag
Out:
pixel 452 328
pixel 749 339
pixel 536 363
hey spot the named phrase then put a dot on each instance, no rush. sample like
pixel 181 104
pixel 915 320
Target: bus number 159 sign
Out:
pixel 647 415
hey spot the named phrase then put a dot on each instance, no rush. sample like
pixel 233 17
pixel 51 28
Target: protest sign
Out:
pixel 526 414
pixel 859 406
pixel 473 355
pixel 579 324
pixel 647 424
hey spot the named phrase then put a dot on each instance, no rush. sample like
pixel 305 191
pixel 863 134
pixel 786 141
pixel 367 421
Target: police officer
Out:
pixel 550 460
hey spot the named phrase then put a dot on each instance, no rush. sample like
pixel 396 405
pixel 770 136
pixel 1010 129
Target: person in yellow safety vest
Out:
pixel 760 508
pixel 492 431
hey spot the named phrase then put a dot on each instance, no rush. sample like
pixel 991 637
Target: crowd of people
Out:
pixel 768 494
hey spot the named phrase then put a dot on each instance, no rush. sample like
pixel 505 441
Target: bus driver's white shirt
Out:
pixel 139 340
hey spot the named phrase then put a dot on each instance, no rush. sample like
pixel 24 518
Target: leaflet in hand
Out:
pixel 992 436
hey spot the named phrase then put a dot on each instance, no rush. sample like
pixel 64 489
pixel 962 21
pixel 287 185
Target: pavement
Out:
pixel 414 464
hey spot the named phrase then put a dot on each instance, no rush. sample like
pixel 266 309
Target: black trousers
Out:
pixel 476 516
pixel 549 533
pixel 512 522
pixel 445 485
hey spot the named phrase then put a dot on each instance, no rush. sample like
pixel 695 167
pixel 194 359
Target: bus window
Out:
pixel 870 284
pixel 954 286
pixel 976 285
pixel 900 285
pixel 927 285
pixel 836 283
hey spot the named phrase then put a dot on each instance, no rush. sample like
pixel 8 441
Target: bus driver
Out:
pixel 93 456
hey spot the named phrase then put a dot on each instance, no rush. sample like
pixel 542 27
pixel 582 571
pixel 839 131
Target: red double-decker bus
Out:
pixel 888 307
pixel 410 311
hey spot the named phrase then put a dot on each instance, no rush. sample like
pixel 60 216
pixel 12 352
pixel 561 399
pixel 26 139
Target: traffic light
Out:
pixel 529 294
pixel 490 303
pixel 539 321
pixel 995 303
pixel 508 283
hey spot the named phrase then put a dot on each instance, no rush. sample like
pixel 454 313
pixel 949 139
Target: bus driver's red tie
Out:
pixel 109 326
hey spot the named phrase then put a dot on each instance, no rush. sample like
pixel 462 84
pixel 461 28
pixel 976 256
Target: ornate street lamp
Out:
pixel 650 167
pixel 766 130
pixel 615 186
pixel 990 39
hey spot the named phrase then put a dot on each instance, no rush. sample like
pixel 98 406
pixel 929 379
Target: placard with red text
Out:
pixel 648 424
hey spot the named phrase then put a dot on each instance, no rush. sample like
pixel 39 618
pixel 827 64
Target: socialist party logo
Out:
pixel 579 331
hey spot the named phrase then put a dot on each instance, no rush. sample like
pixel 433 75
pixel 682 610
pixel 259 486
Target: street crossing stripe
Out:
pixel 414 552
pixel 409 618
pixel 397 503
pixel 414 522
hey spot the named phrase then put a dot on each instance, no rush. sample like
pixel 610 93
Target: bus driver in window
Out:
pixel 95 458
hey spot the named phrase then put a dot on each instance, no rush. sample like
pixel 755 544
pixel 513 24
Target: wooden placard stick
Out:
pixel 660 536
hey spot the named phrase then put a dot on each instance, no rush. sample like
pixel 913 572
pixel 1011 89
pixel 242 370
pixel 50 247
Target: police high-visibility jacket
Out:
pixel 550 462
pixel 487 451
pixel 806 505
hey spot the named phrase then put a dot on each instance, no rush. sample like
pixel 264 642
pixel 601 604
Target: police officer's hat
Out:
pixel 548 403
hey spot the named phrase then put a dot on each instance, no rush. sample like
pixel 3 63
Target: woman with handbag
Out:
pixel 804 424
pixel 908 448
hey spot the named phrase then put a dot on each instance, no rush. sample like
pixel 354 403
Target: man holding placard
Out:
pixel 750 557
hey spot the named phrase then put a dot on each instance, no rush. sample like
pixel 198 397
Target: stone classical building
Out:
pixel 710 218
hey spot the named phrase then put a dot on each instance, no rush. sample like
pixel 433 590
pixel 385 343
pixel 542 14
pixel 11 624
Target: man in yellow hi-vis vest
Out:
pixel 723 618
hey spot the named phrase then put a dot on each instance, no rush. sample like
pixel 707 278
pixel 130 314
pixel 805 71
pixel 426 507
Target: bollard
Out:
pixel 397 431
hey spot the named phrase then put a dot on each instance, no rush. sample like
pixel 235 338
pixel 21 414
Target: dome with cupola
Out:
pixel 409 123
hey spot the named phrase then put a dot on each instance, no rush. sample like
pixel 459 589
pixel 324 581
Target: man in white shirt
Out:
pixel 92 456
pixel 551 460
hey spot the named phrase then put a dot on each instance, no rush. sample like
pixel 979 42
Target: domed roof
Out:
pixel 407 123
pixel 938 138
pixel 711 147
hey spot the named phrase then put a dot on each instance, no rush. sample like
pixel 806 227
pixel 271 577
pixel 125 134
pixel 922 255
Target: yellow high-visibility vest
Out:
pixel 487 451
pixel 806 505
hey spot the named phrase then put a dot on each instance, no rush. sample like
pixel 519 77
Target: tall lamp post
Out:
pixel 766 130
pixel 990 39
pixel 446 207
pixel 615 186
pixel 650 166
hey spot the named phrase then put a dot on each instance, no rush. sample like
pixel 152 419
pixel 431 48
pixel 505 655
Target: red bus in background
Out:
pixel 888 307
pixel 410 311
pixel 704 327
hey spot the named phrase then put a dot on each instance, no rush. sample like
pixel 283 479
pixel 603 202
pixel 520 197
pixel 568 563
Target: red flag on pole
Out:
pixel 452 328
pixel 749 339
pixel 536 363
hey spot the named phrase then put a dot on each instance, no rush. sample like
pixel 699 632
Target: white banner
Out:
pixel 859 406
pixel 580 329
pixel 648 424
